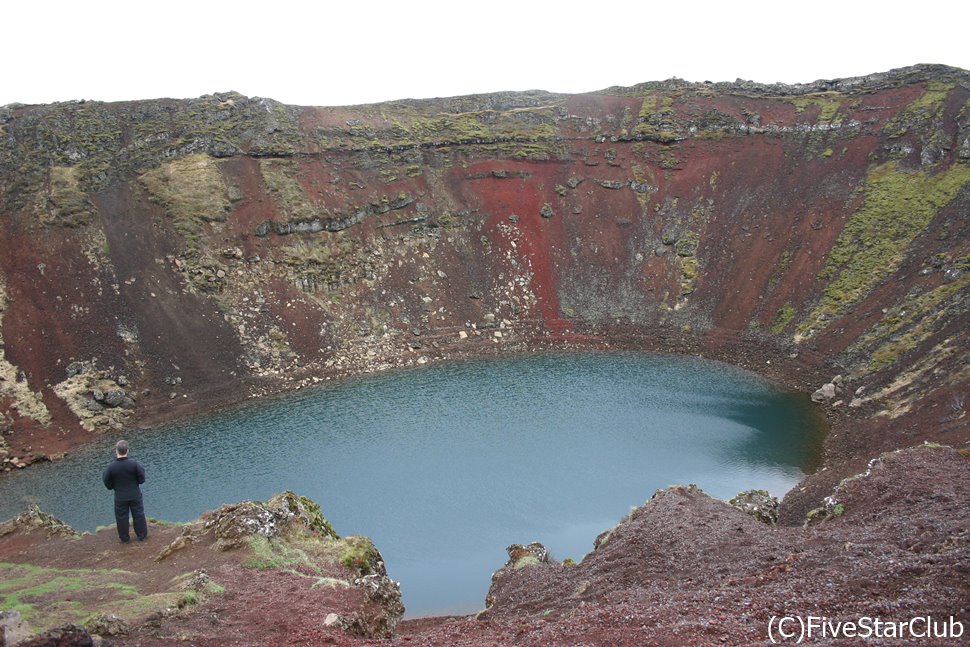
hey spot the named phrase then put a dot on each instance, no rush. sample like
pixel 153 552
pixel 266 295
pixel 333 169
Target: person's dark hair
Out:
pixel 121 447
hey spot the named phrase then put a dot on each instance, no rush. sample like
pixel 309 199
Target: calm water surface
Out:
pixel 444 466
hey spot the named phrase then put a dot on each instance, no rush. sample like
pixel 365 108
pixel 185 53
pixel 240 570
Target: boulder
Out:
pixel 757 503
pixel 13 629
pixel 63 636
pixel 107 624
pixel 826 392
pixel 33 518
pixel 234 524
pixel 378 618
pixel 114 397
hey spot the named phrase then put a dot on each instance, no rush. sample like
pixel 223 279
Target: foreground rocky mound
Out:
pixel 681 569
pixel 687 569
pixel 255 573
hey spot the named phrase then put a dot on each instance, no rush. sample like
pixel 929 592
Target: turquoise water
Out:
pixel 444 466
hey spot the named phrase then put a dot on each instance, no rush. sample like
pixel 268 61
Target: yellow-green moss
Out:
pixel 688 275
pixel 828 104
pixel 898 206
pixel 359 554
pixel 783 317
pixel 290 198
pixel 66 204
pixel 907 325
pixel 192 190
pixel 276 554
pixel 921 111
pixel 783 264
pixel 42 594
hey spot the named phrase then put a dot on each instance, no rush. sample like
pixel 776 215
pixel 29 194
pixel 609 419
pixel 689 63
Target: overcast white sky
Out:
pixel 363 51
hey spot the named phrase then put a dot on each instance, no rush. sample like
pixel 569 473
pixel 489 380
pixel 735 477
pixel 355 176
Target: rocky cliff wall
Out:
pixel 161 258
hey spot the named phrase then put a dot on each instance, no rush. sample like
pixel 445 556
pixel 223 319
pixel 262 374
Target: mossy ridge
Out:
pixel 111 141
pixel 903 391
pixel 192 191
pixel 908 324
pixel 898 206
pixel 402 125
pixel 784 262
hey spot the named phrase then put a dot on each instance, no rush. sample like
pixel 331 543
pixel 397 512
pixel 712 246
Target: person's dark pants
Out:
pixel 137 509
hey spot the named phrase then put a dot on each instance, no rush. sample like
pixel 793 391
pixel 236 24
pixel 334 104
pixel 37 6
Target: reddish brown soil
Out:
pixel 689 570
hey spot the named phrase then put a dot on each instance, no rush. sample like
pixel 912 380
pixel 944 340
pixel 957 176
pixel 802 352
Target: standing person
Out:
pixel 124 475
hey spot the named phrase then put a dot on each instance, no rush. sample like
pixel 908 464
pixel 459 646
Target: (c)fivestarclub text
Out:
pixel 799 629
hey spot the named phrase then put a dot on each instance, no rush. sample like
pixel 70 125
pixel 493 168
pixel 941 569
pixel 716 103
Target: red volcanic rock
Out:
pixel 688 569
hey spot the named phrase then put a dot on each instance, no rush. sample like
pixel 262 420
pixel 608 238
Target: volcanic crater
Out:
pixel 160 259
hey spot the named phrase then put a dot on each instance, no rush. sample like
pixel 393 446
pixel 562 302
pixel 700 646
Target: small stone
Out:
pixel 498 334
pixel 462 334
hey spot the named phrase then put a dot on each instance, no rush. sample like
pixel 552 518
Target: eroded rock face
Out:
pixel 66 636
pixel 282 519
pixel 35 519
pixel 107 624
pixel 233 524
pixel 758 503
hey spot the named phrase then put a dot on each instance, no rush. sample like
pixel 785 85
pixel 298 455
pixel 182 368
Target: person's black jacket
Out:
pixel 124 475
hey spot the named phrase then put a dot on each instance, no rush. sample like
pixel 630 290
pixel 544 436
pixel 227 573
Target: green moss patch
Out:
pixel 290 198
pixel 47 597
pixel 828 104
pixel 898 206
pixel 782 318
pixel 65 203
pixel 910 323
pixel 192 190
pixel 276 554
